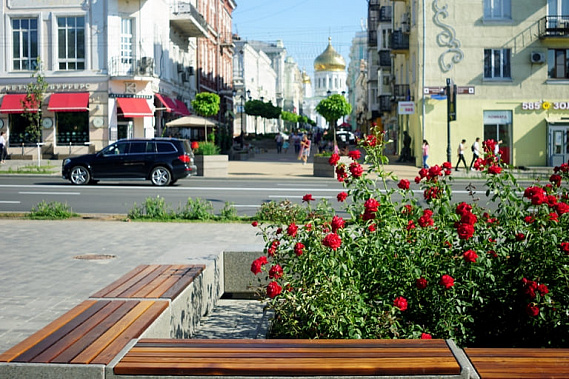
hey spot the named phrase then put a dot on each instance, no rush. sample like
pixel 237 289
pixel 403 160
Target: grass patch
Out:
pixel 31 169
pixel 51 211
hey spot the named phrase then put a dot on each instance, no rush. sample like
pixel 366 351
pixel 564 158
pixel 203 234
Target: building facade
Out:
pixel 509 61
pixel 115 69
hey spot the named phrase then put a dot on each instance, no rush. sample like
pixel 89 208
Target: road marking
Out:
pixel 49 193
pixel 9 202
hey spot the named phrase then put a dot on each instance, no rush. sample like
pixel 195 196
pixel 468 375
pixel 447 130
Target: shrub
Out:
pixel 396 269
pixel 207 148
pixel 197 209
pixel 153 208
pixel 51 211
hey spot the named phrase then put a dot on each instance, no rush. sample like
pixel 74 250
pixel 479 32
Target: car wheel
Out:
pixel 160 176
pixel 79 175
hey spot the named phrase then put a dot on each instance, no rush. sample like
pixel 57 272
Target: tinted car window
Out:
pixel 137 147
pixel 165 147
pixel 116 148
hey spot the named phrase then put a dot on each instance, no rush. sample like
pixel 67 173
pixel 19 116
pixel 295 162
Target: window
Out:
pixel 25 41
pixel 497 64
pixel 497 9
pixel 72 128
pixel 126 41
pixel 71 43
pixel 558 64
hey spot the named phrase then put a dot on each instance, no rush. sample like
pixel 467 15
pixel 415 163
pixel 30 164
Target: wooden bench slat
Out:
pixel 127 281
pixel 135 330
pixel 284 343
pixel 123 279
pixel 141 283
pixel 183 282
pixel 41 334
pixel 287 367
pixel 121 308
pixel 76 334
pixel 161 282
pixel 60 333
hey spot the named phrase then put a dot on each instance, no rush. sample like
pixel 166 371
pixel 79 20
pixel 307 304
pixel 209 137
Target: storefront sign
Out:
pixel 497 117
pixel 545 105
pixel 57 87
pixel 116 95
pixel 405 107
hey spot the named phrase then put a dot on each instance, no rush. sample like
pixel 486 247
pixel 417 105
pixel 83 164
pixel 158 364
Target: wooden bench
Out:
pixel 93 332
pixel 152 282
pixel 519 363
pixel 161 357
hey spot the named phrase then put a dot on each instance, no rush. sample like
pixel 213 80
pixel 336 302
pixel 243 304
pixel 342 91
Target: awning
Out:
pixel 181 108
pixel 69 102
pixel 167 102
pixel 14 103
pixel 134 107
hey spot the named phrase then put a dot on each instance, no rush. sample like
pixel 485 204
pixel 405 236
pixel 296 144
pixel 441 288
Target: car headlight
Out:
pixel 66 161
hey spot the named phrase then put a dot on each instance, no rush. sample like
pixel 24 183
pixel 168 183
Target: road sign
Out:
pixel 434 90
pixel 468 90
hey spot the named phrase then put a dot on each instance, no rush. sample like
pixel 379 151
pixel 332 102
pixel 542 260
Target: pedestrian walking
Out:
pixel 425 153
pixel 460 153
pixel 279 141
pixel 304 149
pixel 296 142
pixel 3 147
pixel 475 152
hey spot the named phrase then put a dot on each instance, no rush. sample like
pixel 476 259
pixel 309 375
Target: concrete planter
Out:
pixel 213 166
pixel 322 168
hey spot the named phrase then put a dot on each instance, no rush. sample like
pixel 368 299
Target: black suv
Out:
pixel 161 160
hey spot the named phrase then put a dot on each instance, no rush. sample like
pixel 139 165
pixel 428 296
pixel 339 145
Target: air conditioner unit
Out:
pixel 537 57
pixel 184 77
pixel 180 67
pixel 190 70
pixel 146 62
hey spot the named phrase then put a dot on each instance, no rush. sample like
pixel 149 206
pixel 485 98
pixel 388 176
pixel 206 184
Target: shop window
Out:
pixel 497 64
pixel 558 64
pixel 18 133
pixel 71 43
pixel 25 44
pixel 497 9
pixel 72 128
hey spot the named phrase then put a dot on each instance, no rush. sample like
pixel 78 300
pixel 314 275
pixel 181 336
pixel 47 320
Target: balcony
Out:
pixel 129 67
pixel 553 27
pixel 385 58
pixel 399 42
pixel 401 92
pixel 385 14
pixel 372 38
pixel 374 4
pixel 186 18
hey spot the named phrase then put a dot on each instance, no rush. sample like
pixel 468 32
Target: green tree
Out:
pixel 33 102
pixel 206 104
pixel 333 108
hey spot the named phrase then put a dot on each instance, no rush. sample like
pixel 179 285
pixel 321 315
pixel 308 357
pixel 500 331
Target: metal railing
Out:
pixel 553 26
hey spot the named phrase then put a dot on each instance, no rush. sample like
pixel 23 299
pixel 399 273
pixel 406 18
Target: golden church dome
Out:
pixel 305 77
pixel 329 60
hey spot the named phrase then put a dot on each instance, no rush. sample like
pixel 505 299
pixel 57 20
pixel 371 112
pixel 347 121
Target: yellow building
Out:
pixel 509 60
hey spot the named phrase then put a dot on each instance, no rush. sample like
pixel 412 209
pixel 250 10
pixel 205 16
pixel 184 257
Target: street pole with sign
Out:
pixel 450 91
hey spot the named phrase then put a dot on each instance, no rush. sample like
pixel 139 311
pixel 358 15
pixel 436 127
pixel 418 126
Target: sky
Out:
pixel 303 25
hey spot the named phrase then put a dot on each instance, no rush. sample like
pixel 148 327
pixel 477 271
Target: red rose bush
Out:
pixel 408 266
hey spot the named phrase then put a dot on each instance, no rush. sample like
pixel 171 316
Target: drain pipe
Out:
pixel 423 108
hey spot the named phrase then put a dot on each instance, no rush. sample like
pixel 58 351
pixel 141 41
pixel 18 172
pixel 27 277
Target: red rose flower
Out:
pixel 447 281
pixel 520 237
pixel 555 179
pixel 371 228
pixel 468 218
pixel 410 225
pixel 292 230
pixel 435 171
pixel 532 310
pixel 494 169
pixel 401 303
pixel 407 209
pixel 356 169
pixel 561 208
pixel 447 165
pixel 542 289
pixel 564 247
pixel 255 224
pixel 553 217
pixel 403 184
pixel 355 154
pixel 342 196
pixel 332 240
pixel 371 141
pixel 426 336
pixel 273 248
pixel 463 208
pixel 470 256
pixel 371 205
pixel 529 219
pixel 337 223
pixel 273 290
pixel 423 173
pixel 417 179
pixel 421 283
pixel 334 159
pixel 307 198
pixel 195 145
pixel 257 264
pixel 276 272
pixel 492 253
pixel 432 193
pixel 298 249
pixel 425 221
pixel 341 173
pixel 465 231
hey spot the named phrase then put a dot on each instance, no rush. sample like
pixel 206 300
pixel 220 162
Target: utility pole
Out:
pixel 450 92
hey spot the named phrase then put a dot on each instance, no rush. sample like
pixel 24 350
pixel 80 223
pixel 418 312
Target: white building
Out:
pixel 329 78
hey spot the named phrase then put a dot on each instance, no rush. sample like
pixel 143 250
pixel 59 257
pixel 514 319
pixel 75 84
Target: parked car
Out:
pixel 161 160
